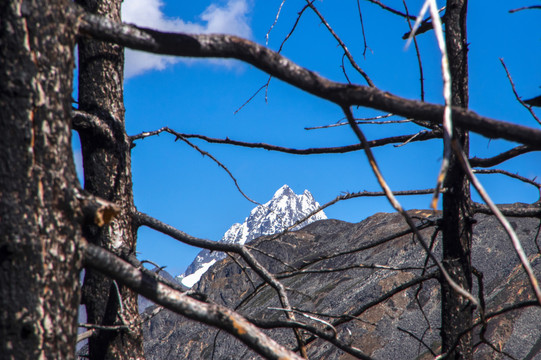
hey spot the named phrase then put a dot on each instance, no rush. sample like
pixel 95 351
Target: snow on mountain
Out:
pixel 283 210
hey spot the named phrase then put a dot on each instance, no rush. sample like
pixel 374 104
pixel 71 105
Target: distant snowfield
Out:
pixel 192 279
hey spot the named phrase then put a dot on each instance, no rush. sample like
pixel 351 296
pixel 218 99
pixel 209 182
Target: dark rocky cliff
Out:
pixel 394 329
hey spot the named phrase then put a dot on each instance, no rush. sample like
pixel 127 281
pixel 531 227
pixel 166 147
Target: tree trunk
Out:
pixel 457 215
pixel 107 174
pixel 39 211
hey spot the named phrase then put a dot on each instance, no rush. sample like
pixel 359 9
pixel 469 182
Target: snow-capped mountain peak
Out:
pixel 283 210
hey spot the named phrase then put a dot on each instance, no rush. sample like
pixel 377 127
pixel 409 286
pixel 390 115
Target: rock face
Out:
pixel 283 210
pixel 375 256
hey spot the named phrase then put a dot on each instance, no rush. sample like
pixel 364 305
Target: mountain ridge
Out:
pixel 371 268
pixel 283 210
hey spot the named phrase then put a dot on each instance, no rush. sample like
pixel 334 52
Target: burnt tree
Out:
pixel 107 174
pixel 457 311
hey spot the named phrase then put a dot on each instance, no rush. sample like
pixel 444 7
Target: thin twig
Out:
pixel 266 85
pixel 362 28
pixel 528 107
pixel 420 340
pixel 202 152
pixel 343 67
pixel 514 176
pixel 396 12
pixel 525 8
pixel 308 151
pixel 243 269
pixel 289 274
pixel 355 315
pixel 120 303
pixel 411 139
pixel 327 324
pixel 342 45
pixel 367 120
pixel 103 327
pixel 269 255
pixel 274 23
pixel 85 335
pixel 498 159
pixel 421 77
pixel 251 97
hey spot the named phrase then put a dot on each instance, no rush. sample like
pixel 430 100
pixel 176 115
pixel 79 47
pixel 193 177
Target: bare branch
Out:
pixel 85 335
pixel 243 269
pixel 425 26
pixel 145 220
pixel 514 176
pixel 524 210
pixel 210 314
pixel 308 151
pixel 525 8
pixel 391 10
pixel 327 324
pixel 446 75
pixel 498 159
pixel 253 96
pixel 420 340
pixel 362 28
pixel 205 153
pixel 274 23
pixel 85 122
pixel 228 46
pixel 104 327
pixel 336 341
pixel 367 120
pixel 527 106
pixel 280 289
pixel 289 274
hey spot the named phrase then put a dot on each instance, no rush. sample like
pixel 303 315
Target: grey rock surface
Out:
pixel 389 330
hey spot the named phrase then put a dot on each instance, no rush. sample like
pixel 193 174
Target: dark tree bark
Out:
pixel 40 212
pixel 457 212
pixel 107 174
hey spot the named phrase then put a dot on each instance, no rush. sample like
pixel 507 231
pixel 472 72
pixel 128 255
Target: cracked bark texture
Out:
pixel 39 210
pixel 457 312
pixel 107 174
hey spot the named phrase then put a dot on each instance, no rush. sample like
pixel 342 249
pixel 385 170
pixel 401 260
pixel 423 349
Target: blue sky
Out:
pixel 175 184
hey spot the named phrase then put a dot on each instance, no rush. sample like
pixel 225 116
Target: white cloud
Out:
pixel 231 18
